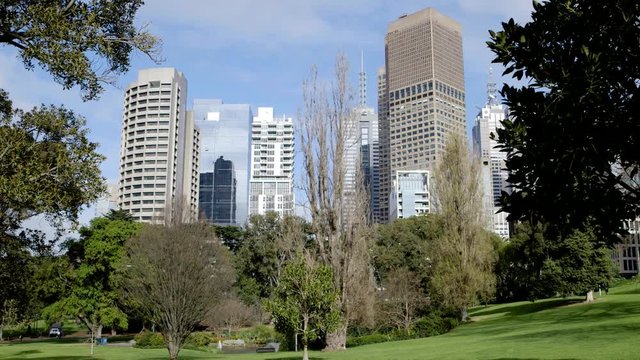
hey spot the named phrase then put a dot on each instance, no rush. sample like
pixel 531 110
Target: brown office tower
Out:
pixel 420 95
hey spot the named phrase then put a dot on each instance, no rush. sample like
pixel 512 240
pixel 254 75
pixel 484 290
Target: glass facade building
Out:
pixel 225 133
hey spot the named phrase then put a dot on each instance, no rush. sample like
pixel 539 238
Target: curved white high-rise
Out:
pixel 159 149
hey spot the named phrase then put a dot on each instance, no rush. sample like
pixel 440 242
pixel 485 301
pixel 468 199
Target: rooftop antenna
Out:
pixel 492 89
pixel 363 82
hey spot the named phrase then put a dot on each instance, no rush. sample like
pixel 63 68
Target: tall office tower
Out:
pixel 493 173
pixel 271 184
pixel 362 153
pixel 225 132
pixel 108 201
pixel 159 148
pixel 423 95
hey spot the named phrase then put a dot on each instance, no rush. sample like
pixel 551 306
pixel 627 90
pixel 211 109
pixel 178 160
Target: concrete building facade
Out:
pixel 422 99
pixel 159 149
pixel 410 194
pixel 272 159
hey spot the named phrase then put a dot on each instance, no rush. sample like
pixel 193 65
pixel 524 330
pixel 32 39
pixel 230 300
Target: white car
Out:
pixel 55 332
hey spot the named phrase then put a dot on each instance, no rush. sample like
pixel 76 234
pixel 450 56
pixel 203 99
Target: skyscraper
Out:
pixel 421 94
pixel 159 149
pixel 271 184
pixel 362 152
pixel 492 160
pixel 225 132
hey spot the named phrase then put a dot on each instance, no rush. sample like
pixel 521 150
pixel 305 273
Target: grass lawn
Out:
pixel 549 329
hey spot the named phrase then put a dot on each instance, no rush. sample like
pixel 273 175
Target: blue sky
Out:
pixel 259 51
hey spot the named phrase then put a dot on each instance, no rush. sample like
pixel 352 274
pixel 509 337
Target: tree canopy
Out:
pixel 47 165
pixel 93 295
pixel 79 42
pixel 572 137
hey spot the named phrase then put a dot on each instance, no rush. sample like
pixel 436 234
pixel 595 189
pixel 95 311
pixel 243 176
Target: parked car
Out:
pixel 56 332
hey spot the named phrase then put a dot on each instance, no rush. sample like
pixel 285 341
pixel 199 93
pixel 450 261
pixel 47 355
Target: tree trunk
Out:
pixel 113 332
pixel 1 332
pixel 589 297
pixel 464 314
pixel 99 332
pixel 173 350
pixel 305 353
pixel 337 340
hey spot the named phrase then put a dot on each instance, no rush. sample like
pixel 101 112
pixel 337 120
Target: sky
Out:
pixel 259 52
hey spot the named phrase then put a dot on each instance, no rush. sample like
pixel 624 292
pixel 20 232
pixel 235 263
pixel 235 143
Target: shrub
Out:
pixel 434 324
pixel 368 339
pixel 149 339
pixel 200 339
pixel 259 334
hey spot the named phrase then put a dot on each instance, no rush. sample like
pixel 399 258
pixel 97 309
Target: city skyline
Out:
pixel 226 66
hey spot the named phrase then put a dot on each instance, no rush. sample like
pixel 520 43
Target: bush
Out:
pixel 149 339
pixel 259 334
pixel 369 339
pixel 434 324
pixel 200 339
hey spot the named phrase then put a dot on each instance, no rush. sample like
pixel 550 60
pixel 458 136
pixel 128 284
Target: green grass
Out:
pixel 549 329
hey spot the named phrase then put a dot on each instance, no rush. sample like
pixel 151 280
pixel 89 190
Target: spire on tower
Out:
pixel 363 83
pixel 492 89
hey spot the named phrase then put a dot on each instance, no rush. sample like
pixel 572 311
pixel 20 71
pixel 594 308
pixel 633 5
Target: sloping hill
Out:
pixel 548 329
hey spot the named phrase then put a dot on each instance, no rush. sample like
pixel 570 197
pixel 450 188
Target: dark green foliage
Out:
pixel 520 263
pixel 375 338
pixel 79 42
pixel 269 241
pixel 535 264
pixel 435 323
pixel 572 138
pixel 231 236
pixel 576 266
pixel 148 339
pixel 406 243
pixel 93 294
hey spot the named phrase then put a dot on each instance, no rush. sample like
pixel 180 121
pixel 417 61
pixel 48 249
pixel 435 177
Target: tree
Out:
pixel 305 300
pixel 230 314
pixel 79 42
pixel 270 241
pixel 47 165
pixel 463 254
pixel 401 299
pixel 339 219
pixel 93 294
pixel 572 137
pixel 406 243
pixel 576 266
pixel 231 236
pixel 177 273
pixel 520 263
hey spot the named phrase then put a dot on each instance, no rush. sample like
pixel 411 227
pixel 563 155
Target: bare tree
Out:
pixel 339 215
pixel 177 273
pixel 463 255
pixel 231 314
pixel 400 299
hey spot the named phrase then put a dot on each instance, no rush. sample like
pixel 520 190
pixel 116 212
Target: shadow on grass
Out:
pixel 526 308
